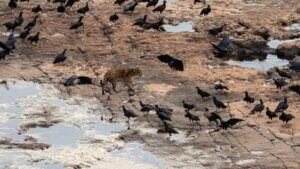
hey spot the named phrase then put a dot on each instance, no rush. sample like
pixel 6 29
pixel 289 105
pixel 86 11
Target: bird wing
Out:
pixel 215 46
pixel 165 58
pixel 84 80
pixel 224 43
pixel 295 88
pixel 70 81
pixel 3 46
pixel 255 108
pixel 233 121
pixel 177 65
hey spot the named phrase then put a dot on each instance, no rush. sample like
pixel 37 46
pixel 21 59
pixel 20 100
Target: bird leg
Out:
pixel 128 124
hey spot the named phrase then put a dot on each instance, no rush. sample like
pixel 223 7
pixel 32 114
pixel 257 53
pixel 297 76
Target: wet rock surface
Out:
pixel 102 45
pixel 289 50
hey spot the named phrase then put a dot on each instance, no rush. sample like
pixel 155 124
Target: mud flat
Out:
pixel 45 125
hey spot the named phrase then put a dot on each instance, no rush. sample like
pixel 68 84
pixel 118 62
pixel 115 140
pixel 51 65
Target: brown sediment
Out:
pixel 26 146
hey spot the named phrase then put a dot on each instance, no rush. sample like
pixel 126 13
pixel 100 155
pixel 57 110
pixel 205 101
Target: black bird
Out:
pixel 70 3
pixel 24 33
pixel 165 110
pixel 36 9
pixel 229 123
pixel 222 48
pixel 114 17
pixel 10 25
pixel 220 86
pixel 34 38
pixel 174 63
pixel 286 117
pixel 32 23
pixel 84 9
pixel 248 98
pixel 78 24
pixel 160 8
pixel 215 31
pixel 283 73
pixel 9 44
pixel 169 129
pixel 119 2
pixel 19 20
pixel 259 107
pixel 295 88
pixel 218 103
pixel 146 107
pixel 195 1
pixel 162 114
pixel 73 80
pixel 84 80
pixel 280 82
pixel 270 113
pixel 202 93
pixel 130 6
pixel 295 66
pixel 282 106
pixel 12 4
pixel 3 54
pixel 152 3
pixel 61 8
pixel 59 1
pixel 61 57
pixel 212 117
pixel 206 11
pixel 191 117
pixel 81 80
pixel 129 114
pixel 140 21
pixel 155 25
pixel 187 106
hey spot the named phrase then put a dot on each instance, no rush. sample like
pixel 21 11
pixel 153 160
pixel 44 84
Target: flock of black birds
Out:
pixel 164 114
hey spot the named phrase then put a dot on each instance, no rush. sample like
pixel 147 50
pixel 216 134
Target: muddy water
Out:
pixel 72 126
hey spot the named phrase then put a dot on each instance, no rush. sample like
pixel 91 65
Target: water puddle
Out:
pixel 50 166
pixel 257 153
pixel 58 135
pixel 12 91
pixel 246 162
pixel 182 27
pixel 275 43
pixel 295 26
pixel 168 1
pixel 105 129
pixel 270 62
pixel 8 130
pixel 133 152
